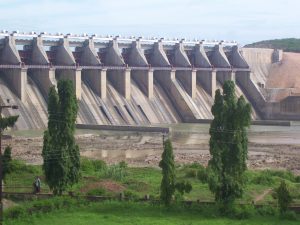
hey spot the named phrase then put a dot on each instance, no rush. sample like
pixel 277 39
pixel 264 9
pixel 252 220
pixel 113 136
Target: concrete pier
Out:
pixel 64 57
pixel 16 77
pixel 219 60
pixel 206 78
pixel 119 78
pixel 95 78
pixel 44 77
pixel 186 77
pixel 144 78
pixel 236 59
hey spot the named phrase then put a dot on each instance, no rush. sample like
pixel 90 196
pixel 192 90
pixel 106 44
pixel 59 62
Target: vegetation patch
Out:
pixel 287 44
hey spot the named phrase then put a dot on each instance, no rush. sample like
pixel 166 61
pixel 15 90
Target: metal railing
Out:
pixel 101 67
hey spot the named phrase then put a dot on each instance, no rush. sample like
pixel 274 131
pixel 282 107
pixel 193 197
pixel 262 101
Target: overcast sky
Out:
pixel 242 20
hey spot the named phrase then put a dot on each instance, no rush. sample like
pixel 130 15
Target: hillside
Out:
pixel 288 44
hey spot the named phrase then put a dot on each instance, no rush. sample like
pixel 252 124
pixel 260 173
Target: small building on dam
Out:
pixel 136 81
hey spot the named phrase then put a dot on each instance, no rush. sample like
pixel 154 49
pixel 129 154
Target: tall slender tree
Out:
pixel 6 161
pixel 167 187
pixel 60 152
pixel 228 145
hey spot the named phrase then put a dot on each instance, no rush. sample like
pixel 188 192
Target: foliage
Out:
pixel 128 213
pixel 288 215
pixel 183 187
pixel 6 162
pixel 97 192
pixel 131 195
pixel 287 44
pixel 92 166
pixel 191 173
pixel 6 122
pixel 60 152
pixel 167 164
pixel 284 197
pixel 202 174
pixel 42 206
pixel 228 145
pixel 18 166
pixel 115 172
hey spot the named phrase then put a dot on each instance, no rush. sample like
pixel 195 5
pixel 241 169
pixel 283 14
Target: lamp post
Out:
pixel 3 106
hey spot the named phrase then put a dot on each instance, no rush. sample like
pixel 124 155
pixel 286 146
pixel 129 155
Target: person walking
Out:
pixel 37 185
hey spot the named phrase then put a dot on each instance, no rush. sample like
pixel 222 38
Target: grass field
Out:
pixel 113 213
pixel 110 180
pixel 101 179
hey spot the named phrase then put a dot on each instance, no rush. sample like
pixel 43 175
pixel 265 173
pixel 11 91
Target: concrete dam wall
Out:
pixel 126 81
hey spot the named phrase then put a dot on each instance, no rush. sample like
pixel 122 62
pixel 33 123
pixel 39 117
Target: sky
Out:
pixel 244 21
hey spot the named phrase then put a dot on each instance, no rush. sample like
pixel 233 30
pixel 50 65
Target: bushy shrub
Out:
pixel 123 164
pixel 284 174
pixel 242 212
pixel 297 179
pixel 137 185
pixel 99 165
pixel 42 206
pixel 191 173
pixel 115 172
pixel 265 178
pixel 268 177
pixel 284 197
pixel 98 192
pixel 92 166
pixel 288 215
pixel 239 211
pixel 202 175
pixel 18 166
pixel 16 212
pixel 131 195
pixel 194 165
pixel 266 211
pixel 183 187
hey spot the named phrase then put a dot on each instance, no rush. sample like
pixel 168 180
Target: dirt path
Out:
pixel 262 195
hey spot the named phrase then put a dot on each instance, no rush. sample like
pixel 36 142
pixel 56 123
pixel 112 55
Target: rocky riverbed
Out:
pixel 269 147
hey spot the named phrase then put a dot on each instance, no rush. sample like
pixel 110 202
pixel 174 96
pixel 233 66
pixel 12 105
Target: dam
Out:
pixel 136 81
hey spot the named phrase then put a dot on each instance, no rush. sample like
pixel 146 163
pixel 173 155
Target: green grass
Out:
pixel 138 182
pixel 128 213
pixel 142 181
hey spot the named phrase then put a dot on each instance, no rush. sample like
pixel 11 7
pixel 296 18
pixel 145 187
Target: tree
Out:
pixel 6 122
pixel 6 161
pixel 167 187
pixel 228 145
pixel 168 183
pixel 284 197
pixel 60 152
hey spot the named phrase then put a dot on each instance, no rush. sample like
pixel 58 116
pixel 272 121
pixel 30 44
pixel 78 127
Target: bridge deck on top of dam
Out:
pixel 7 66
pixel 122 81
